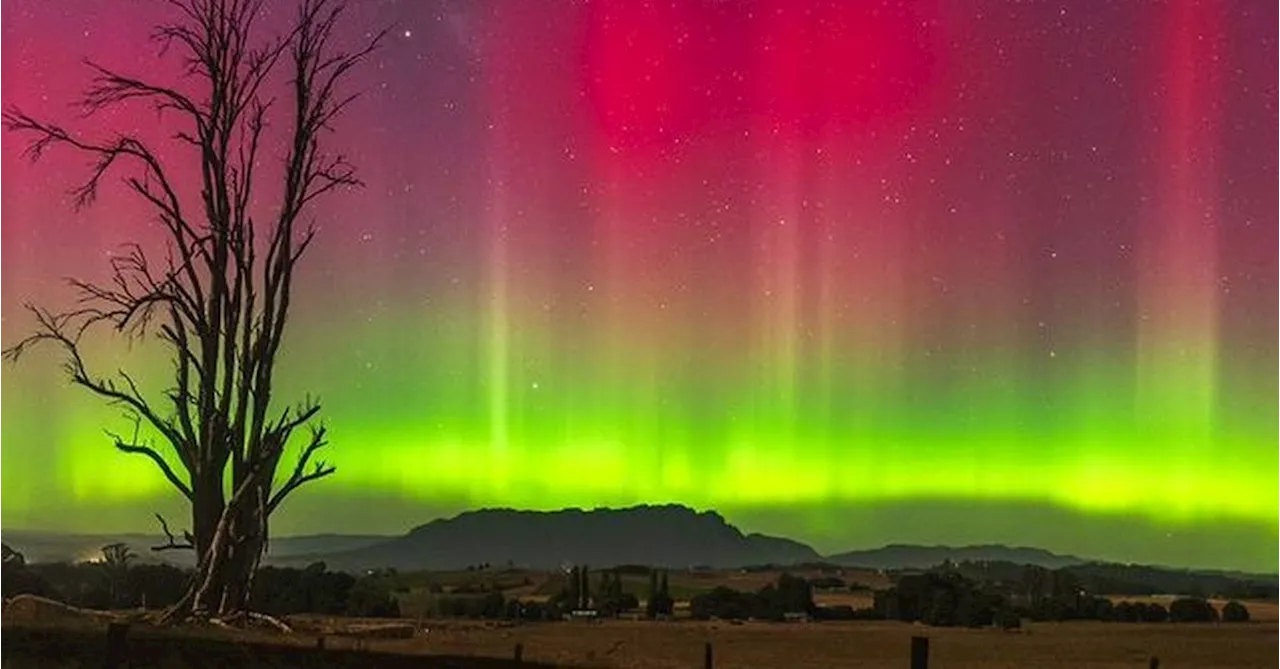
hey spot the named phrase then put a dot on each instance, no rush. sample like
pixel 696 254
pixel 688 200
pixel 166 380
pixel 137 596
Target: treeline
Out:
pixel 117 582
pixel 1119 579
pixel 790 595
pixel 946 598
pixel 597 594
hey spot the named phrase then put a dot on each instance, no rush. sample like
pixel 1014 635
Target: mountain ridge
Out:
pixel 670 535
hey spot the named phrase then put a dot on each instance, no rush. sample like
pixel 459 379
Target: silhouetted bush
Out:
pixel 791 594
pixel 724 603
pixel 159 585
pixel 1152 612
pixel 1008 619
pixel 1234 612
pixel 941 598
pixel 870 613
pixel 368 599
pixel 837 612
pixel 281 591
pixel 84 585
pixel 827 582
pixel 1192 610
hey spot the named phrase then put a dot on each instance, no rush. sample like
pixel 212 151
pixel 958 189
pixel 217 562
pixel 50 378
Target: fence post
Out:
pixel 519 656
pixel 1154 663
pixel 117 641
pixel 919 652
pixel 707 659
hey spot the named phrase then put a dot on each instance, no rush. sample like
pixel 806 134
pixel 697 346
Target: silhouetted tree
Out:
pixel 220 298
pixel 115 561
pixel 659 602
pixel 18 579
pixel 573 589
pixel 1234 612
pixel 368 599
pixel 1192 610
pixel 155 585
pixel 605 587
pixel 12 557
pixel 615 586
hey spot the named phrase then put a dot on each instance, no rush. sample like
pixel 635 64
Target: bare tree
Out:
pixel 220 298
pixel 115 562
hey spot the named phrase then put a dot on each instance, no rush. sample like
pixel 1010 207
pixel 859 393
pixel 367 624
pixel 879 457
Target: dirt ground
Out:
pixel 828 645
pixel 866 645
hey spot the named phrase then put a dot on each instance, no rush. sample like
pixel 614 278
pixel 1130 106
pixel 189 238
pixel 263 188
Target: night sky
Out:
pixel 939 272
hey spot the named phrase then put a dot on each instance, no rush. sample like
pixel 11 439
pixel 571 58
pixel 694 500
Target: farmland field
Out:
pixel 866 645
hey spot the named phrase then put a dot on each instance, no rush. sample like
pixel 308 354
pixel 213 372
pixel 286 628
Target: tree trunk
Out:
pixel 229 545
pixel 207 506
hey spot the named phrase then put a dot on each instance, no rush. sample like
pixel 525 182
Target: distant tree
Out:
pixel 1125 612
pixel 493 606
pixel 604 589
pixel 13 557
pixel 574 589
pixel 615 586
pixel 115 561
pixel 795 595
pixel 1152 612
pixel 1192 610
pixel 724 603
pixel 369 599
pixel 1008 619
pixel 156 585
pixel 17 578
pixel 942 611
pixel 659 602
pixel 827 582
pixel 1235 612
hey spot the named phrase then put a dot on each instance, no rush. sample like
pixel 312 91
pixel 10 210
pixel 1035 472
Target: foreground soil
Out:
pixel 862 645
pixel 867 645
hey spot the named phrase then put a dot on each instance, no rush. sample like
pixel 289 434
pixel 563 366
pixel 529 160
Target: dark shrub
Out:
pixel 1126 612
pixel 827 582
pixel 367 599
pixel 1192 610
pixel 1234 612
pixel 838 612
pixel 1152 612
pixel 1008 619
pixel 722 603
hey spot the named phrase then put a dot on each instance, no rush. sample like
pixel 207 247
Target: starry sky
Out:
pixel 857 273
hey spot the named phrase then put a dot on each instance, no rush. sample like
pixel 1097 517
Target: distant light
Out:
pixel 408 33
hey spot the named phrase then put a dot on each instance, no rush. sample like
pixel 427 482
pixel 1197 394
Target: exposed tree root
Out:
pixel 234 621
pixel 270 620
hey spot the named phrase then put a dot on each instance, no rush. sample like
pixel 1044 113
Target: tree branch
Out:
pixel 300 474
pixel 135 448
pixel 172 543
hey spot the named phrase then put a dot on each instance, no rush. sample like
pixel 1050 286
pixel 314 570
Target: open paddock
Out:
pixel 862 645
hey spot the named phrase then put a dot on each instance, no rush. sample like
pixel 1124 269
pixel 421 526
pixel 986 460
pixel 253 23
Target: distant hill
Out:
pixel 902 556
pixel 671 535
pixel 38 546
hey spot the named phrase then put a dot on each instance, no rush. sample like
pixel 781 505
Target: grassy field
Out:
pixel 645 645
pixel 829 645
pixel 865 645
